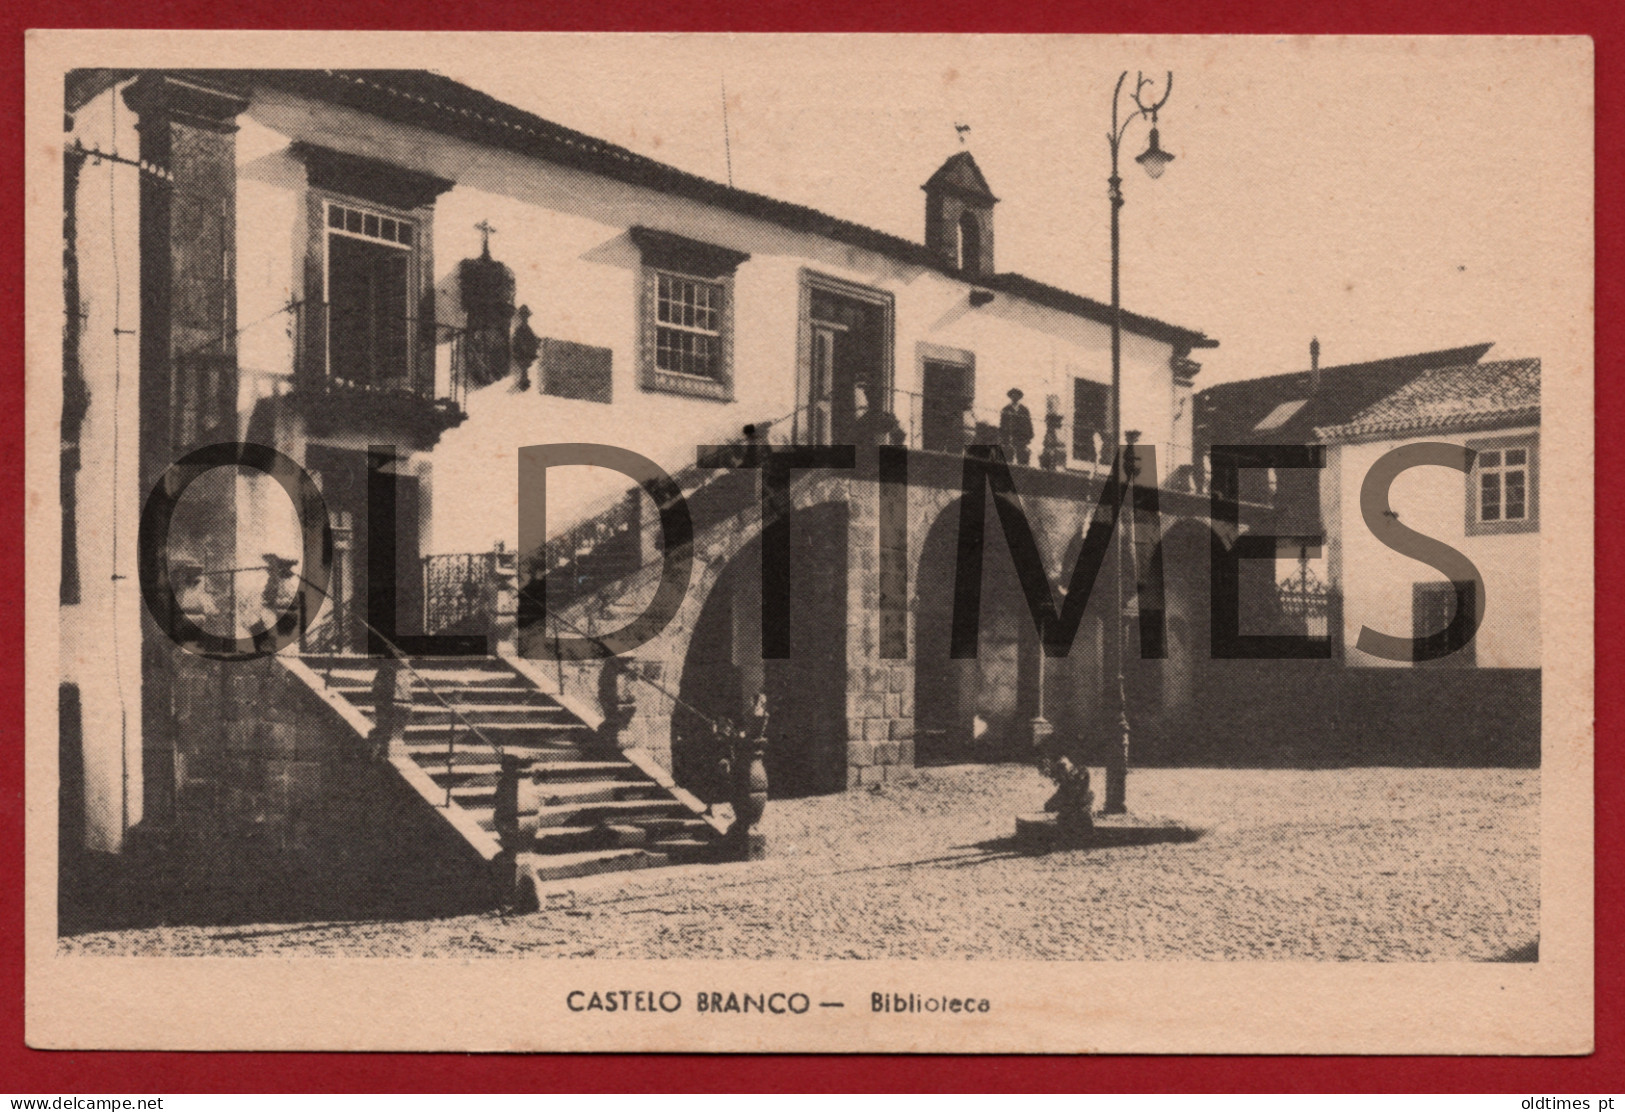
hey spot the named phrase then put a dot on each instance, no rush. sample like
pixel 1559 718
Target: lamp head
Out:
pixel 1155 159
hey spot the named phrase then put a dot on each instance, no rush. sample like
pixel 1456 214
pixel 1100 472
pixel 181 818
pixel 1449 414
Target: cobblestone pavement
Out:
pixel 1353 864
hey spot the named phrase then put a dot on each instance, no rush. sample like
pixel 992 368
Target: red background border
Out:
pixel 23 1070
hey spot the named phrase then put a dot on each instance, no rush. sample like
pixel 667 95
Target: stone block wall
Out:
pixel 879 684
pixel 260 761
pixel 883 588
pixel 282 810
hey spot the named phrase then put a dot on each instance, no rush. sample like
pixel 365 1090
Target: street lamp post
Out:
pixel 1155 160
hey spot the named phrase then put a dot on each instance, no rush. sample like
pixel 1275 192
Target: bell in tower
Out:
pixel 959 216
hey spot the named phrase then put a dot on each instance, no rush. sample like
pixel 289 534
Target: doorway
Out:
pixel 947 390
pixel 342 476
pixel 847 366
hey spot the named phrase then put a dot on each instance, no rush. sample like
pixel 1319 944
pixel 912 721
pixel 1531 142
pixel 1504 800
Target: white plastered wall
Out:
pixel 1377 581
pixel 563 232
pixel 101 634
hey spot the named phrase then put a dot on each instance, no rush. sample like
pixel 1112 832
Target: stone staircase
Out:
pixel 576 804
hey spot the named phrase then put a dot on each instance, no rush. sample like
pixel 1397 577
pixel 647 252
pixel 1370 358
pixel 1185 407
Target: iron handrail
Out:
pixel 338 614
pixel 400 655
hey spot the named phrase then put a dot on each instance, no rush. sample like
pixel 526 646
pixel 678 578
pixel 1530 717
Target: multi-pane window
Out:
pixel 1503 485
pixel 1501 497
pixel 685 314
pixel 688 325
pixel 370 225
pixel 369 296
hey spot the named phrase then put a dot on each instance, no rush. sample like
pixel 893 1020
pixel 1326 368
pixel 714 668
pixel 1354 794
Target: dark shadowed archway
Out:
pixel 723 669
pixel 972 709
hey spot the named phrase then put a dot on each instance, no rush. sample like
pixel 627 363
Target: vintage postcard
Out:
pixel 809 543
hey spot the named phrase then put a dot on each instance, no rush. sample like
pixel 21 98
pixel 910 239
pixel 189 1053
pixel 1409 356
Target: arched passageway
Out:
pixel 982 709
pixel 723 669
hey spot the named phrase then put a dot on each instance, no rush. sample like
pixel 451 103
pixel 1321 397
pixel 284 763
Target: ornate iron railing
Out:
pixel 459 592
pixel 410 364
pixel 1305 597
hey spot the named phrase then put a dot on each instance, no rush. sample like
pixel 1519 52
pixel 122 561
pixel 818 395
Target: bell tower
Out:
pixel 959 216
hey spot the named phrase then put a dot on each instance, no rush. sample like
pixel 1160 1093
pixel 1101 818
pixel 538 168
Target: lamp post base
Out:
pixel 1117 762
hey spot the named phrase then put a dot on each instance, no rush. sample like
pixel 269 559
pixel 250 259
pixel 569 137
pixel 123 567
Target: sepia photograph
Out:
pixel 811 542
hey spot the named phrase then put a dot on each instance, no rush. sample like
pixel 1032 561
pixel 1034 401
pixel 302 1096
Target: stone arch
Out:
pixel 972 709
pixel 1186 548
pixel 714 661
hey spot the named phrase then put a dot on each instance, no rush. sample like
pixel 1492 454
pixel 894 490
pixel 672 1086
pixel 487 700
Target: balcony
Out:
pixel 384 378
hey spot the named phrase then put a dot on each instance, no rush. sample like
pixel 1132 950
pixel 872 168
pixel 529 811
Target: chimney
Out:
pixel 1314 365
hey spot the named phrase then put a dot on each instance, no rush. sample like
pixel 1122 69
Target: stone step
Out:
pixel 354 673
pixel 625 834
pixel 551 794
pixel 467 793
pixel 597 791
pixel 563 794
pixel 627 809
pixel 570 839
pixel 361 695
pixel 505 728
pixel 471 748
pixel 563 866
pixel 495 681
pixel 482 712
pixel 480 764
pixel 687 849
pixel 672 826
pixel 536 752
pixel 564 770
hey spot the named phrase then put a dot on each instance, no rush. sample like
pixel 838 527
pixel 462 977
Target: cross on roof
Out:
pixel 485 230
pixel 962 129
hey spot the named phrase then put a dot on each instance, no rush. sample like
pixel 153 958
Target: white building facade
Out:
pixel 1490 513
pixel 331 263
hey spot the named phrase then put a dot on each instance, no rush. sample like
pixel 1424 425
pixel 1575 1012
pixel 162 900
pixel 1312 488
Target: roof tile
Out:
pixel 1449 399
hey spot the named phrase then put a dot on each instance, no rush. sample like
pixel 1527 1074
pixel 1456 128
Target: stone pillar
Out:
pixel 748 788
pixel 504 635
pixel 879 686
pixel 188 324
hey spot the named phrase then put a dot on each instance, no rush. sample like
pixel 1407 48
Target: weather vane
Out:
pixel 963 130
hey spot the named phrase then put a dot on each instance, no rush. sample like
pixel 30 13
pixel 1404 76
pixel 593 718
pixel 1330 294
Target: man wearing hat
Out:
pixel 1015 429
